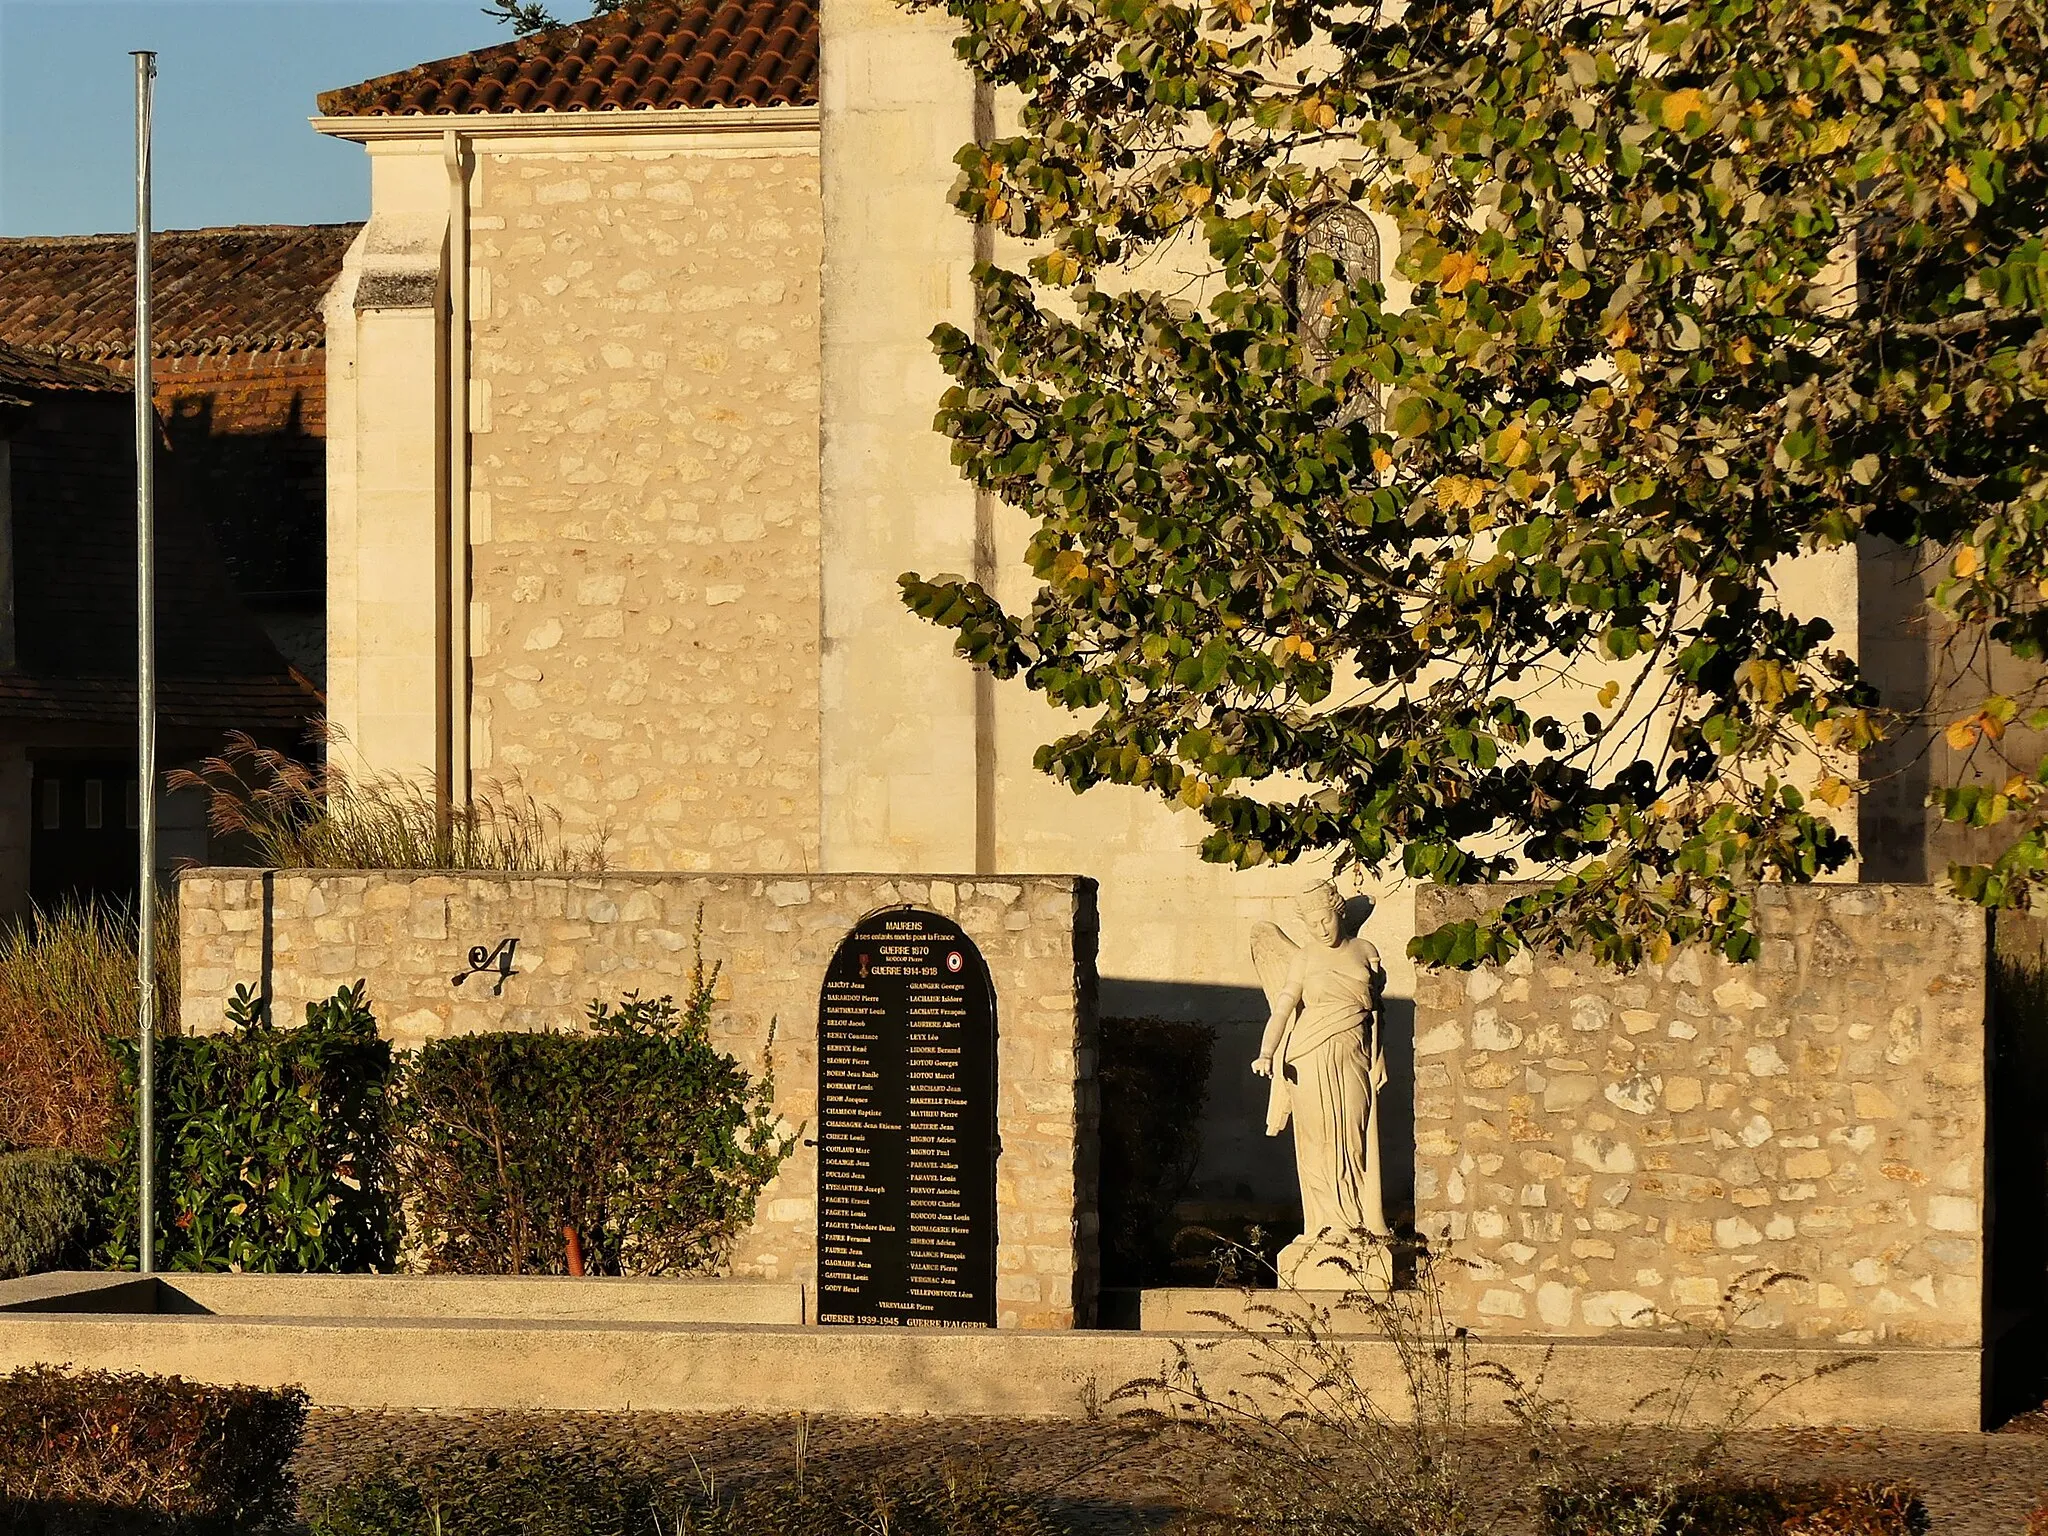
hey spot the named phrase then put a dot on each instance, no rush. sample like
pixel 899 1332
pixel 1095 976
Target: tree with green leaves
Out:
pixel 527 17
pixel 1673 292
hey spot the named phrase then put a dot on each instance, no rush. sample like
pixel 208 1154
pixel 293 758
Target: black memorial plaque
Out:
pixel 907 1127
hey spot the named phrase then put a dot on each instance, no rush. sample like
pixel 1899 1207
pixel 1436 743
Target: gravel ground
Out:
pixel 1110 1479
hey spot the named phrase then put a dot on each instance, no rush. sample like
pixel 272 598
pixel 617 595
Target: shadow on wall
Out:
pixel 1242 1168
pixel 2016 1215
pixel 1935 672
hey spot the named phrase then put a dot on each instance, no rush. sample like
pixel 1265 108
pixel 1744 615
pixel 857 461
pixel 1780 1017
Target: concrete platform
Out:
pixel 535 1298
pixel 367 1360
pixel 1224 1309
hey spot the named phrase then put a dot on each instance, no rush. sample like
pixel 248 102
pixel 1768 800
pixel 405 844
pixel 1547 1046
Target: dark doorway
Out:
pixel 82 840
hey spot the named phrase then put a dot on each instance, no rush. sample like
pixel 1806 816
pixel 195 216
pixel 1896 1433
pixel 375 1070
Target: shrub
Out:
pixel 53 1210
pixel 273 1151
pixel 1154 1076
pixel 292 816
pixel 67 994
pixel 1816 1509
pixel 465 1491
pixel 948 1506
pixel 640 1135
pixel 78 1452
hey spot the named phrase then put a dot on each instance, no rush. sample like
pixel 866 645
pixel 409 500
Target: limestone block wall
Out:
pixel 297 935
pixel 1604 1152
pixel 644 515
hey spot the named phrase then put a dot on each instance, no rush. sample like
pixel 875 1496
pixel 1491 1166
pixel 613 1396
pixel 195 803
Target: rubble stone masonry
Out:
pixel 298 935
pixel 1605 1152
pixel 644 411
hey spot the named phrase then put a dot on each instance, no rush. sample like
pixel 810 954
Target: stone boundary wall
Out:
pixel 1611 1151
pixel 297 935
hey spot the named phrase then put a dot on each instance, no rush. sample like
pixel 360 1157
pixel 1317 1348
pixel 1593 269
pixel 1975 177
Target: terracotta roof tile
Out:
pixel 286 703
pixel 25 375
pixel 256 288
pixel 655 54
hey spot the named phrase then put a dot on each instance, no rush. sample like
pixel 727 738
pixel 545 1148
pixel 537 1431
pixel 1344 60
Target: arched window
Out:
pixel 1345 233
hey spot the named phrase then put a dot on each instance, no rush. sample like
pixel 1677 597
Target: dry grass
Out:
pixel 68 989
pixel 292 816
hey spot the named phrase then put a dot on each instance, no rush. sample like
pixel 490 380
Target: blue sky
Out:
pixel 236 82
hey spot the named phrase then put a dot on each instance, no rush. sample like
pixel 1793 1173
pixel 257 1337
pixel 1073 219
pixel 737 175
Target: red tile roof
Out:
pixel 255 288
pixel 25 375
pixel 285 703
pixel 651 55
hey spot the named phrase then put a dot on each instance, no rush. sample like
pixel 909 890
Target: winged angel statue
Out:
pixel 1323 1055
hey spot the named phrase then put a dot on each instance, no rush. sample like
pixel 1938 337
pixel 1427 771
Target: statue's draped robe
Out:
pixel 1327 1079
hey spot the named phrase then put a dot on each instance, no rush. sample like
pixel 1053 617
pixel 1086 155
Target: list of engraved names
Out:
pixel 906 1143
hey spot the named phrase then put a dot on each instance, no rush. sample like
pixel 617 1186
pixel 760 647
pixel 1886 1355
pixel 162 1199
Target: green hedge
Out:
pixel 273 1145
pixel 1765 1509
pixel 639 1134
pixel 1154 1076
pixel 95 1452
pixel 467 1491
pixel 52 1210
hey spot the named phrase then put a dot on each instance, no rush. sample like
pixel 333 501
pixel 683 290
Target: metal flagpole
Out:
pixel 145 666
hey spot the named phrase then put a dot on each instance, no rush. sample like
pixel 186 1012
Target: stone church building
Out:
pixel 630 407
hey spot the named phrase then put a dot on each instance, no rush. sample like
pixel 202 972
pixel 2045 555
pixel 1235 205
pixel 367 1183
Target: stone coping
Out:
pixel 920 877
pixel 585 1364
pixel 548 1300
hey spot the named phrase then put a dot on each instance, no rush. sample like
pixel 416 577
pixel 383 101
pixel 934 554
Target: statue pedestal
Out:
pixel 1310 1264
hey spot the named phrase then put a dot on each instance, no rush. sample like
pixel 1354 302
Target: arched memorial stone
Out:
pixel 907 1140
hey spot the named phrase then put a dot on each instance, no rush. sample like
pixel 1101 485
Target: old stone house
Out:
pixel 68 792
pixel 240 382
pixel 631 403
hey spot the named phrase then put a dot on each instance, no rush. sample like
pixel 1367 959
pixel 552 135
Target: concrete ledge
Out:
pixel 71 1291
pixel 535 1298
pixel 504 1364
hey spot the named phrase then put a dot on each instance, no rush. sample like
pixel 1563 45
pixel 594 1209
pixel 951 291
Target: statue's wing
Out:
pixel 1273 956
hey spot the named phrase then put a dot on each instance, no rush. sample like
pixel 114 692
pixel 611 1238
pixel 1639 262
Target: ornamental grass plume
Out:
pixel 294 815
pixel 68 990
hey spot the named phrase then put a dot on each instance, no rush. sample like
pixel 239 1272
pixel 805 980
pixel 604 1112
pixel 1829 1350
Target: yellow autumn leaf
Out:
pixel 1935 108
pixel 1609 692
pixel 1514 444
pixel 1802 107
pixel 1740 350
pixel 1961 734
pixel 1769 681
pixel 1680 105
pixel 1967 560
pixel 1461 491
pixel 1849 54
pixel 1831 791
pixel 1953 176
pixel 1459 269
pixel 1384 461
